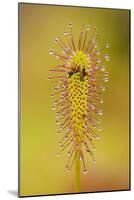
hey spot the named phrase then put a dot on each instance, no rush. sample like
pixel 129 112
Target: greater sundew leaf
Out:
pixel 78 93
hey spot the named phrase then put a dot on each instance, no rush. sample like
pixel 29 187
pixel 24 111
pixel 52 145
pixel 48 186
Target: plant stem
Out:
pixel 77 173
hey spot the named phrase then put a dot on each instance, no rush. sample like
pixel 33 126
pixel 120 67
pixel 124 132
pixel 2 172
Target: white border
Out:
pixel 8 96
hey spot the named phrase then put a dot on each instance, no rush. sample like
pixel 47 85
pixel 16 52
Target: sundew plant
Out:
pixel 79 83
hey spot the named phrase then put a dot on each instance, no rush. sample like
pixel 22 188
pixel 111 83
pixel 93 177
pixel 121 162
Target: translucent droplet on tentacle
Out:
pixel 51 52
pixel 95 46
pixel 106 73
pixel 57 39
pixel 102 68
pixel 68 168
pixel 97 137
pixel 101 101
pixel 63 51
pixel 98 60
pixel 94 148
pixel 97 52
pixel 57 122
pixel 103 89
pixel 92 107
pixel 57 56
pixel 106 79
pixel 65 33
pixel 99 129
pixel 107 45
pixel 96 67
pixel 94 125
pixel 98 121
pixel 70 25
pixel 94 161
pixel 93 40
pixel 51 95
pixel 51 71
pixel 90 70
pixel 107 57
pixel 53 107
pixel 57 154
pixel 93 78
pixel 100 112
pixel 84 171
pixel 87 28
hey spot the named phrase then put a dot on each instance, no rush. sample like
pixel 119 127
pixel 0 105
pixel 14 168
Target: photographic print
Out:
pixel 74 99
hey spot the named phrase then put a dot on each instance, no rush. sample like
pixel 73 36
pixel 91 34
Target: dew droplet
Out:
pixel 95 46
pixel 93 40
pixel 51 52
pixel 87 28
pixel 106 73
pixel 87 149
pixel 65 33
pixel 85 126
pixel 58 131
pixel 97 138
pixel 94 126
pixel 51 95
pixel 98 60
pixel 99 129
pixel 102 68
pixel 94 148
pixel 69 129
pixel 70 25
pixel 107 57
pixel 95 28
pixel 103 89
pixel 107 45
pixel 51 71
pixel 60 127
pixel 56 39
pixel 93 78
pixel 53 107
pixel 101 101
pixel 92 107
pixel 57 154
pixel 68 168
pixel 63 51
pixel 57 56
pixel 90 71
pixel 62 94
pixel 100 112
pixel 84 171
pixel 94 161
pixel 106 79
pixel 97 52
pixel 96 67
pixel 98 121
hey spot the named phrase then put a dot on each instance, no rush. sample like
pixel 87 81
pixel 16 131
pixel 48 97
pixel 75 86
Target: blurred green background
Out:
pixel 41 172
